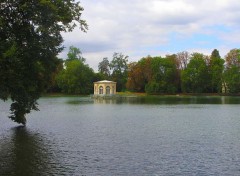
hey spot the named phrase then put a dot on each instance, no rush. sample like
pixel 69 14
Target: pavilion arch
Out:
pixel 108 90
pixel 101 90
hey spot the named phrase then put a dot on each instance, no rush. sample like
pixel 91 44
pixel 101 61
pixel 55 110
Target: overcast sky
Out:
pixel 138 28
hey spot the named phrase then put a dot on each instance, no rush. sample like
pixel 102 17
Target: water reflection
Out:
pixel 80 100
pixel 170 100
pixel 24 152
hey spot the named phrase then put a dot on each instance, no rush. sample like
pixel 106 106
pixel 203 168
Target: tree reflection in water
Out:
pixel 24 152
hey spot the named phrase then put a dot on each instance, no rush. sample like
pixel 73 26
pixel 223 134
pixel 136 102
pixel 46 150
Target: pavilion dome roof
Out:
pixel 105 81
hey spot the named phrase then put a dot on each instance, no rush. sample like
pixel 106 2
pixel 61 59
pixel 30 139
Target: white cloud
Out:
pixel 141 27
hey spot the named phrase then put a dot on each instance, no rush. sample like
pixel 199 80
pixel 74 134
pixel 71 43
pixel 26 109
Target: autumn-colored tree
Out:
pixel 153 75
pixel 145 64
pixel 233 58
pixel 139 74
pixel 135 80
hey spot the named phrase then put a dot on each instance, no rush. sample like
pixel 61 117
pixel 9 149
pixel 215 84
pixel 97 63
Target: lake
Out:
pixel 156 135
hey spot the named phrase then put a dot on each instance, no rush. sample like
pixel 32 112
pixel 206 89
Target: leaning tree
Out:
pixel 30 40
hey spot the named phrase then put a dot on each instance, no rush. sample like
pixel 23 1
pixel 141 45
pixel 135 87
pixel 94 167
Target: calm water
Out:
pixel 128 136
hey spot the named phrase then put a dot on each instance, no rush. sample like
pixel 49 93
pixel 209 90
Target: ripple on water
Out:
pixel 122 139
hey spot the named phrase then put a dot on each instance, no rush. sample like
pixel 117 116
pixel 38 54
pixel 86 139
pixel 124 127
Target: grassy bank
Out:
pixel 62 95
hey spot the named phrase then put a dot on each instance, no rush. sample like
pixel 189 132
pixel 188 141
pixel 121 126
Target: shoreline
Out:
pixel 141 94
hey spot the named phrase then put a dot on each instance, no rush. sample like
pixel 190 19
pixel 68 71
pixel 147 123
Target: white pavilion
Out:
pixel 105 87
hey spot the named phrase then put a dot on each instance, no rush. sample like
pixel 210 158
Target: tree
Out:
pixel 119 66
pixel 232 79
pixel 216 71
pixel 233 58
pixel 195 78
pixel 76 78
pixel 53 87
pixel 103 68
pixel 153 75
pixel 30 40
pixel 232 72
pixel 98 77
pixel 139 74
pixel 164 75
pixel 146 65
pixel 136 81
pixel 177 71
pixel 75 54
pixel 182 59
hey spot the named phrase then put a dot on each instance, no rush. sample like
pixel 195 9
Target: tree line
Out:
pixel 177 73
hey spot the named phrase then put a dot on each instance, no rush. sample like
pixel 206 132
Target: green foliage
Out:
pixel 30 40
pixel 195 78
pixel 75 54
pixel 76 78
pixel 232 72
pixel 153 87
pixel 104 68
pixel 196 74
pixel 119 66
pixel 52 86
pixel 98 77
pixel 215 54
pixel 216 71
pixel 164 74
pixel 232 79
pixel 154 75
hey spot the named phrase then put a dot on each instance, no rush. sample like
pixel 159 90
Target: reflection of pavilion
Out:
pixel 105 100
pixel 104 87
